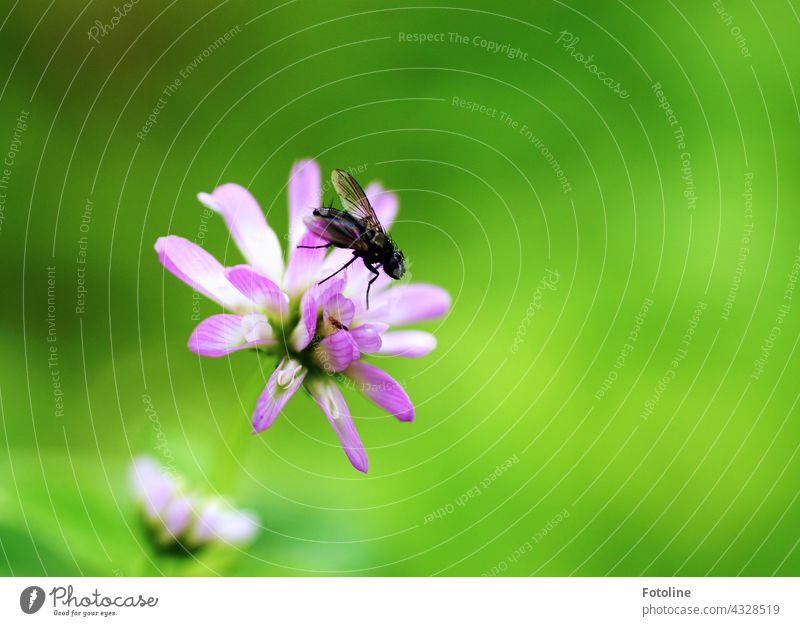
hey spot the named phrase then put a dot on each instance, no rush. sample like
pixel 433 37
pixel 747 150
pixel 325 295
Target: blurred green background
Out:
pixel 637 438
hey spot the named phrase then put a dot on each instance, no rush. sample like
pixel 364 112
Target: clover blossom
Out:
pixel 175 517
pixel 318 332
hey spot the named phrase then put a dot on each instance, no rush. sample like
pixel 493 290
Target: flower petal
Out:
pixel 336 351
pixel 330 400
pixel 152 486
pixel 260 289
pixel 177 515
pixel 198 269
pixel 228 525
pixel 304 331
pixel 357 284
pixel 237 526
pixel 304 196
pixel 368 336
pixel 323 292
pixel 222 334
pixel 382 389
pixel 410 343
pixel 257 241
pixel 408 303
pixel 336 259
pixel 340 310
pixel 285 380
pixel 304 265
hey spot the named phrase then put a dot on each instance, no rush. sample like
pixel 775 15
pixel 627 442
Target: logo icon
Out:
pixel 31 599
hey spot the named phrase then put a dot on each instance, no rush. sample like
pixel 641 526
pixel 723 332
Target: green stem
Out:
pixel 225 469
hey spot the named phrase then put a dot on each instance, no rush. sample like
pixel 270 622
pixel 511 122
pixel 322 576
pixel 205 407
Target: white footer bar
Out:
pixel 389 601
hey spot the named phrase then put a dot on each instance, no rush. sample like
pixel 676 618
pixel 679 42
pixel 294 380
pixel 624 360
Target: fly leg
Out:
pixel 371 280
pixel 327 245
pixel 344 267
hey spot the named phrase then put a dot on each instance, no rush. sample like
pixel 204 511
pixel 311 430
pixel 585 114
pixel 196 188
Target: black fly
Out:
pixel 356 228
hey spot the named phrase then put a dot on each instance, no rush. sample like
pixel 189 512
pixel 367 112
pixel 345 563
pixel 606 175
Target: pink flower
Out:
pixel 319 333
pixel 174 516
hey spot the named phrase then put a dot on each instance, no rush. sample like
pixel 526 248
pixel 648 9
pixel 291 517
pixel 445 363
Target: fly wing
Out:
pixel 337 227
pixel 354 199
